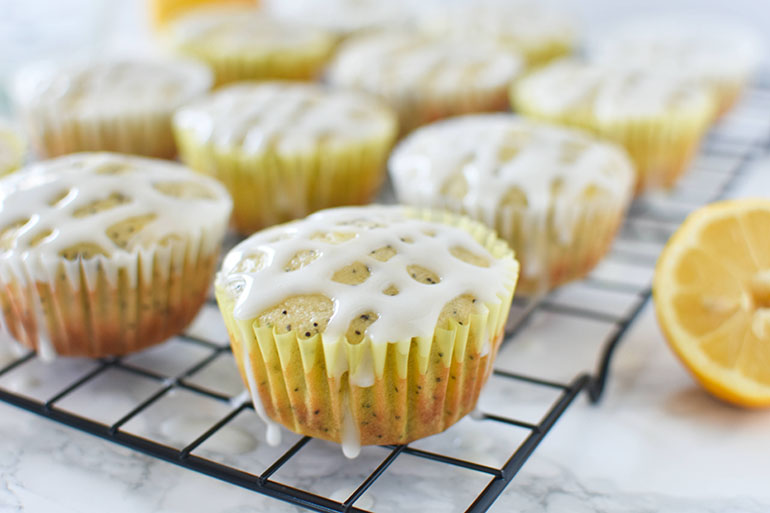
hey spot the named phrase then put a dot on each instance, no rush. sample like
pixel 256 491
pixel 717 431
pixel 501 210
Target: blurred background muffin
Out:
pixel 112 105
pixel 286 149
pixel 344 18
pixel 243 43
pixel 425 78
pixel 659 118
pixel 556 195
pixel 532 30
pixel 708 51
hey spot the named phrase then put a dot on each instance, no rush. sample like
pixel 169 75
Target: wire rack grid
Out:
pixel 726 153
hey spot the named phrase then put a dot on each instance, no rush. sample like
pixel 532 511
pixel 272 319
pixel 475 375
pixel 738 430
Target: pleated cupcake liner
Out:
pixel 105 306
pixel 297 64
pixel 146 133
pixel 421 108
pixel 551 248
pixel 12 149
pixel 661 147
pixel 272 187
pixel 394 392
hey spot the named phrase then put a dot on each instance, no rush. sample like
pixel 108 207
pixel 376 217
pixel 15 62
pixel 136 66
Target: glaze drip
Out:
pixel 285 116
pixel 344 235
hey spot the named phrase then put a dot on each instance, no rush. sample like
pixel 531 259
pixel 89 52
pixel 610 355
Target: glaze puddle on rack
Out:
pixel 182 401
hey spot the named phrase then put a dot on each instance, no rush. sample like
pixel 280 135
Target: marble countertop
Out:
pixel 656 442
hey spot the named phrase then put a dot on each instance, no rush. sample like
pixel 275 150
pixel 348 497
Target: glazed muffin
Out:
pixel 367 325
pixel 556 195
pixel 528 29
pixel 248 44
pixel 11 149
pixel 164 11
pixel 286 149
pixel 342 18
pixel 659 118
pixel 716 53
pixel 122 106
pixel 427 78
pixel 103 254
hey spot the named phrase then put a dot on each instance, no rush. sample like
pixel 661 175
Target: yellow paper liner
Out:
pixel 305 63
pixel 420 108
pixel 107 306
pixel 12 144
pixel 421 386
pixel 661 147
pixel 146 133
pixel 270 187
pixel 548 258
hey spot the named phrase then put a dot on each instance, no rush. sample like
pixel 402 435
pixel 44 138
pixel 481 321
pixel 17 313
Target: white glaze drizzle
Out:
pixel 28 195
pixel 700 48
pixel 232 29
pixel 519 24
pixel 421 165
pixel 103 88
pixel 412 313
pixel 273 431
pixel 399 63
pixel 609 92
pixel 285 116
pixel 349 436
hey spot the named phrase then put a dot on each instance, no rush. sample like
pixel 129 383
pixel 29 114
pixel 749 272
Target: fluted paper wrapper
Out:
pixel 661 147
pixel 106 306
pixel 270 187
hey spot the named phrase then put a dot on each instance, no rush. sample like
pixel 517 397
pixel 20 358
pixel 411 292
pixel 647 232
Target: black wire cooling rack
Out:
pixel 727 151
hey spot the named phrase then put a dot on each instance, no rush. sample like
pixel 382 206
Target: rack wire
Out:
pixel 728 150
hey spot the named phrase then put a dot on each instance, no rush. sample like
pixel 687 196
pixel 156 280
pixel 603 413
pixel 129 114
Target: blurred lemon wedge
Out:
pixel 712 298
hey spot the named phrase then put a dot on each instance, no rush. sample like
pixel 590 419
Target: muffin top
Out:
pixel 285 117
pixel 11 149
pixel 100 89
pixel 231 30
pixel 90 204
pixel 570 86
pixel 388 273
pixel 400 64
pixel 485 162
pixel 697 48
pixel 524 26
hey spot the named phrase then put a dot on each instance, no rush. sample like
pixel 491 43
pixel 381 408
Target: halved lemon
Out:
pixel 712 298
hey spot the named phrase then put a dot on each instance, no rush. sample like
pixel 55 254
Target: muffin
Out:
pixel 248 44
pixel 556 195
pixel 103 254
pixel 163 11
pixel 11 149
pixel 658 117
pixel 427 78
pixel 342 18
pixel 713 52
pixel 122 106
pixel 528 29
pixel 367 325
pixel 287 149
